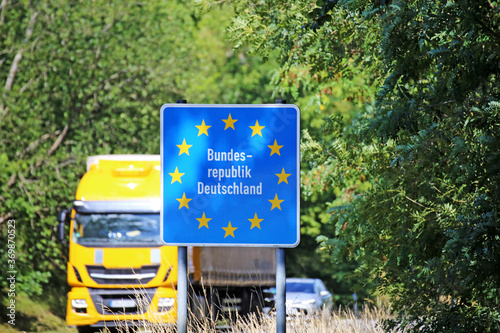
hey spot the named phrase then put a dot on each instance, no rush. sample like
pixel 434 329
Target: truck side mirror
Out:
pixel 61 217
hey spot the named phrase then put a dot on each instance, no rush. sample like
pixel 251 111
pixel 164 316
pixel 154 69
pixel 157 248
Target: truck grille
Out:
pixel 121 301
pixel 125 276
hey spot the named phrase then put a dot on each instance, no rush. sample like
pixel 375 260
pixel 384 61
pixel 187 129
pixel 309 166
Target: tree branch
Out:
pixel 13 70
pixel 90 96
pixel 60 138
pixel 12 180
pixel 437 104
pixel 19 55
pixel 417 203
pixel 5 217
pixel 459 201
pixel 35 143
pixel 15 63
pixel 2 7
pixel 489 31
pixel 10 81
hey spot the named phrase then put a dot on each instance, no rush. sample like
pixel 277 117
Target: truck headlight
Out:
pixel 165 304
pixel 79 305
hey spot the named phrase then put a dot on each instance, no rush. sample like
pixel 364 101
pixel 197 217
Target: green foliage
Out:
pixel 415 176
pixel 88 78
pixel 321 82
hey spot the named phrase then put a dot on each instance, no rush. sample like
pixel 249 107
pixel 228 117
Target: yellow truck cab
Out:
pixel 119 271
pixel 115 248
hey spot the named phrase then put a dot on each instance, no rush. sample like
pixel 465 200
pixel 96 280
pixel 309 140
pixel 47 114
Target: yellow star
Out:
pixel 275 148
pixel 176 176
pixel 229 122
pixel 203 221
pixel 255 222
pixel 276 202
pixel 229 230
pixel 202 129
pixel 183 202
pixel 283 177
pixel 184 148
pixel 257 129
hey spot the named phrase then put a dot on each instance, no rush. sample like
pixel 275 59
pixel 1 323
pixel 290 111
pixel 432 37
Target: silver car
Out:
pixel 305 296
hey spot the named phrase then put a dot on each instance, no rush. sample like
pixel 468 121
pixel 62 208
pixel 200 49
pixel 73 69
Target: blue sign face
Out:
pixel 230 175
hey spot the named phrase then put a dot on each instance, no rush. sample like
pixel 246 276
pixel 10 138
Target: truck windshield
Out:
pixel 117 229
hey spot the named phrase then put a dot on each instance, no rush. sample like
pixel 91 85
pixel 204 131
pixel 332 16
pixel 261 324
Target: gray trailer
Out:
pixel 234 279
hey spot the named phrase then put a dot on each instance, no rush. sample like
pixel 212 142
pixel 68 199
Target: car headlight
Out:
pixel 165 304
pixel 309 301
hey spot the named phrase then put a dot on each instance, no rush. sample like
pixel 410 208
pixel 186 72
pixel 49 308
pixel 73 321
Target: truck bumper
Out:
pixel 142 307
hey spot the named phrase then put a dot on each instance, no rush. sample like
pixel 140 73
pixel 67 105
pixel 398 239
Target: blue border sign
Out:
pixel 230 175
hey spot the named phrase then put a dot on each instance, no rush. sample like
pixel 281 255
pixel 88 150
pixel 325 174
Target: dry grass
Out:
pixel 342 321
pixel 338 321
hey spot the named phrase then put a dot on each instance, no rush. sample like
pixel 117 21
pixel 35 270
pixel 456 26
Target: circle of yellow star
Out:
pixel 202 129
pixel 183 202
pixel 184 148
pixel 203 221
pixel 275 148
pixel 229 230
pixel 276 202
pixel 283 177
pixel 176 176
pixel 229 122
pixel 255 222
pixel 256 129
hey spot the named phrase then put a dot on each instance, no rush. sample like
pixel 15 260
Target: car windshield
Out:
pixel 116 229
pixel 300 287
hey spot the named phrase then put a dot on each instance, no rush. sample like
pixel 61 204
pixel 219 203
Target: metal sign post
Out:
pixel 280 283
pixel 280 291
pixel 182 282
pixel 182 290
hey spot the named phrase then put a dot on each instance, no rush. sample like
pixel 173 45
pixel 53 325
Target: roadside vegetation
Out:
pixel 416 175
pixel 35 316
